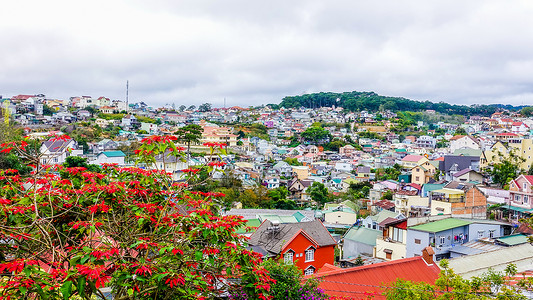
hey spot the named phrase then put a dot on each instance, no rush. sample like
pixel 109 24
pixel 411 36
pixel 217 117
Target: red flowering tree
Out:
pixel 69 231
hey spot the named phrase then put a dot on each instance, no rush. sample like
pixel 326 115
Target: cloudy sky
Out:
pixel 254 52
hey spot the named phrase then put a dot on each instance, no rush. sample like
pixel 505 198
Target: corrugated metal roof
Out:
pixel 355 282
pixel 475 265
pixel 363 235
pixel 513 240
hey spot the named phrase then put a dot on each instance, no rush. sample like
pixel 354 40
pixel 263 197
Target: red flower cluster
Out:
pixel 216 163
pixel 94 272
pixel 214 145
pixel 158 139
pixel 191 170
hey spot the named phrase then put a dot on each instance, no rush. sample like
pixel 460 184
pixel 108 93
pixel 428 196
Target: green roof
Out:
pixel 468 152
pixel 516 208
pixel 428 187
pixel 281 219
pixel 363 235
pixel 298 216
pixel 513 240
pixel 382 215
pixel 441 225
pixel 401 150
pixel 114 153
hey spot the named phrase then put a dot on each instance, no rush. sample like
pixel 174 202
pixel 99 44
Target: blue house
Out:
pixel 444 235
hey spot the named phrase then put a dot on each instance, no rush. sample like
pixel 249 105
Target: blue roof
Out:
pixel 114 153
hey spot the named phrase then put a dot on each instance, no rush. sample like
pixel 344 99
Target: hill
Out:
pixel 357 101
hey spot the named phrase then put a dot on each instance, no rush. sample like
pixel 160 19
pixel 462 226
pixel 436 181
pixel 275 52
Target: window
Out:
pixel 310 254
pixel 480 233
pixel 288 258
pixel 517 198
pixel 397 234
pixel 491 233
pixel 442 239
pixel 417 241
pixel 417 178
pixel 526 198
pixel 309 271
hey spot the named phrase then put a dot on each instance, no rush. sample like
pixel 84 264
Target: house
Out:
pixel 452 164
pixel 151 128
pixel 104 145
pixel 423 173
pixel 468 175
pixel 283 169
pixel 55 152
pixel 391 244
pixel 373 221
pixel 519 128
pixel 110 157
pixel 405 201
pixel 358 241
pixel 220 135
pixel 272 182
pixel 426 141
pixel 375 278
pixel 410 161
pixel 342 215
pixel 308 245
pixel 297 187
pixel 459 199
pixel 521 196
pixel 447 234
pixel 441 235
pixel 130 122
pixel 463 141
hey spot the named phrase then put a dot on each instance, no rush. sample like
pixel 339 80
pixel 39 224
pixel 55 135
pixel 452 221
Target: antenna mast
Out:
pixel 127 92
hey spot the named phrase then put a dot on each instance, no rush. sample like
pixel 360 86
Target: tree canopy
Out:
pixel 133 230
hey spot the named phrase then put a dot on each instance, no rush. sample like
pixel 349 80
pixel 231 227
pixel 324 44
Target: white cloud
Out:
pixel 257 52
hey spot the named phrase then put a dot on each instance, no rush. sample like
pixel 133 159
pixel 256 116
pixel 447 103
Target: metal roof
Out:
pixel 477 264
pixel 363 235
pixel 441 225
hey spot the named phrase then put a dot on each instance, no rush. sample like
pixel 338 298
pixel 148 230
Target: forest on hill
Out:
pixel 357 101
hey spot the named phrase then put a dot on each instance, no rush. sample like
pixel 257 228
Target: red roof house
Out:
pixel 308 245
pixel 358 282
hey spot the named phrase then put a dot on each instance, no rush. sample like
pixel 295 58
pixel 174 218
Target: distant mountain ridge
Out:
pixel 357 101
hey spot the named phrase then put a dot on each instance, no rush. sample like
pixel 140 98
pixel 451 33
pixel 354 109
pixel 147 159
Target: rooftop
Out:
pixel 441 225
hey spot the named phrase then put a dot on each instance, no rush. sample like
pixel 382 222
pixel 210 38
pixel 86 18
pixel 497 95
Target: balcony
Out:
pixel 449 199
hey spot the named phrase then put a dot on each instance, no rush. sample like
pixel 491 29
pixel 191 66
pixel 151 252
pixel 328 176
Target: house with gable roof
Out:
pixel 462 142
pixel 55 152
pixel 308 245
pixel 521 196
pixel 411 160
pixel 110 157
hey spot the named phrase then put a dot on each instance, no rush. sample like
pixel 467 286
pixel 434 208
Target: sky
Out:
pixel 257 52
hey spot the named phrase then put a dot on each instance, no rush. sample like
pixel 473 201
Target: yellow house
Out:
pixel 410 161
pixel 500 150
pixel 421 174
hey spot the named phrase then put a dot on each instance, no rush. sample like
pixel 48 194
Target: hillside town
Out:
pixel 360 198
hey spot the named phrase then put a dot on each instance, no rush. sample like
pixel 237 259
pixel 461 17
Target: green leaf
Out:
pixel 198 255
pixel 66 289
pixel 81 286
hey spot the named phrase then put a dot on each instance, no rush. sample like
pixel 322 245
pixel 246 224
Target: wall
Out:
pixel 474 228
pixel 446 206
pixel 340 217
pixel 475 205
pixel 398 249
pixel 299 244
pixel 354 249
pixel 413 249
